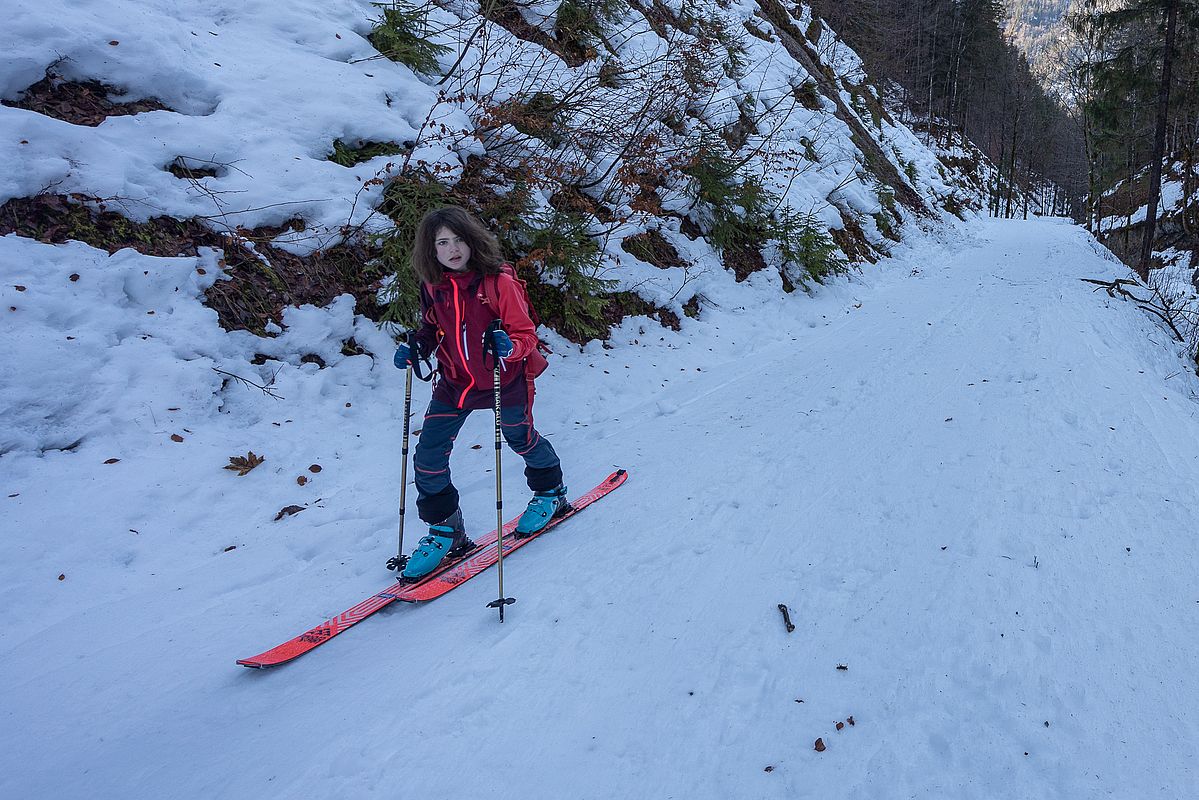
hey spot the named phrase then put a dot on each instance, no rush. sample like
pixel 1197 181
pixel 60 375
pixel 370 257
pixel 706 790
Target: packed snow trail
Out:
pixel 975 492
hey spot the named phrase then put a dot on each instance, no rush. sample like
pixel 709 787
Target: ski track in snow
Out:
pixel 975 491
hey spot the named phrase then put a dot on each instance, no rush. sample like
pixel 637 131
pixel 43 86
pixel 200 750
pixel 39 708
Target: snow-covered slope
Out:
pixel 1175 274
pixel 258 98
pixel 969 476
pixel 255 92
pixel 252 102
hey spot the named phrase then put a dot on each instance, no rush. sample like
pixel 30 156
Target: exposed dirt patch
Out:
pixel 743 260
pixel 188 169
pixel 57 218
pixel 808 95
pixel 506 14
pixel 736 134
pixel 659 17
pixel 852 240
pixel 572 201
pixel 263 280
pixel 648 201
pixel 653 248
pixel 629 304
pixel 1125 200
pixel 967 164
pixel 80 102
pixel 690 229
pixel 758 33
pixel 350 155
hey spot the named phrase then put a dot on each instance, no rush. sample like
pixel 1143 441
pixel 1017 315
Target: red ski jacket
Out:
pixel 455 315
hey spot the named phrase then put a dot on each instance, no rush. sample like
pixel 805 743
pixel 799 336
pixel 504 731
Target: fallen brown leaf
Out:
pixel 287 511
pixel 243 464
pixel 820 745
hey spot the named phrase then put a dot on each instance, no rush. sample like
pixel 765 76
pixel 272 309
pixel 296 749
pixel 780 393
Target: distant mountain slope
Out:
pixel 1038 28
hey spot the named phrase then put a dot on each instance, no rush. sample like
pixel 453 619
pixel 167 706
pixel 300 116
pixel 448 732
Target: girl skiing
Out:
pixel 465 288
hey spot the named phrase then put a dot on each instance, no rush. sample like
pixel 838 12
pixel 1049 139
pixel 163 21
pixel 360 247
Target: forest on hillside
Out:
pixel 1034 27
pixel 1092 102
pixel 1136 76
pixel 961 77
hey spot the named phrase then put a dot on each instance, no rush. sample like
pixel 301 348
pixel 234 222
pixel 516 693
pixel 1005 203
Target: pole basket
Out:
pixel 500 603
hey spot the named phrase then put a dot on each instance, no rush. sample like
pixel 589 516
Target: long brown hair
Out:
pixel 485 254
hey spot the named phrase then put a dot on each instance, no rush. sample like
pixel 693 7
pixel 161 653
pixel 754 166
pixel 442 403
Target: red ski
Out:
pixel 442 580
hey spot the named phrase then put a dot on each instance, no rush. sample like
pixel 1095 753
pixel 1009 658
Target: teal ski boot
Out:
pixel 542 508
pixel 446 539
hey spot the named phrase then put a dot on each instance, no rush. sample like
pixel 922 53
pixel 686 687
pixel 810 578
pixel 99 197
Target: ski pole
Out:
pixel 399 560
pixel 489 347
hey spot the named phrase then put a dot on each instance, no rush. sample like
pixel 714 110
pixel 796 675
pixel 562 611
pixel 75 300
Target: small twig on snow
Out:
pixel 268 389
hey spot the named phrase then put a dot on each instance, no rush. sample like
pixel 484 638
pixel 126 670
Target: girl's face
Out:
pixel 452 251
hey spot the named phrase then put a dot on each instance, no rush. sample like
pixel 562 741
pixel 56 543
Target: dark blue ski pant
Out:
pixel 436 496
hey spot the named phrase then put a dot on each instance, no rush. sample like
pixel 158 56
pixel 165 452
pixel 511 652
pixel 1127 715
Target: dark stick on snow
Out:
pixel 786 617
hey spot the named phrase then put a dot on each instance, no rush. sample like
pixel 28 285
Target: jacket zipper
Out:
pixel 460 324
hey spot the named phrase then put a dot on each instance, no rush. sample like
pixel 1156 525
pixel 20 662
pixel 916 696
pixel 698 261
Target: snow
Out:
pixel 1175 281
pixel 1170 202
pixel 266 127
pixel 968 476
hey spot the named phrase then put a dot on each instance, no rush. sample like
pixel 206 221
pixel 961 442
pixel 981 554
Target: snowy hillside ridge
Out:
pixel 256 95
pixel 1175 277
pixel 254 103
pixel 1124 205
pixel 978 184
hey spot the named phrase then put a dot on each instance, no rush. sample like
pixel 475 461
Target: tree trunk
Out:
pixel 1011 173
pixel 1092 202
pixel 1159 140
pixel 1189 203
